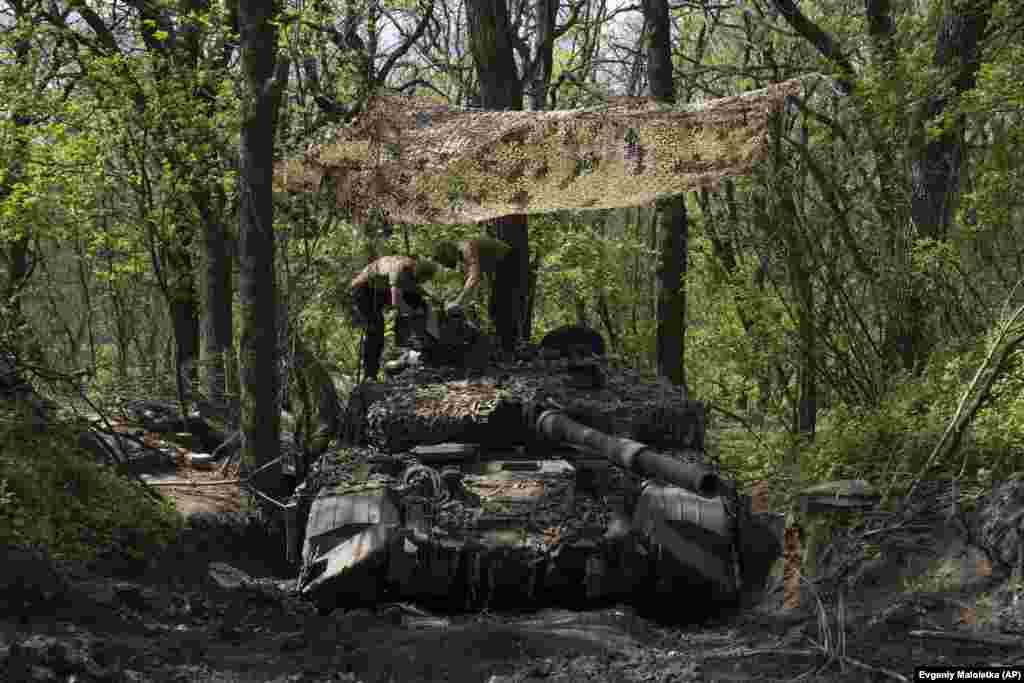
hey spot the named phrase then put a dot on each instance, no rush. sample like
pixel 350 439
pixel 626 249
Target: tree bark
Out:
pixel 491 43
pixel 217 328
pixel 546 12
pixel 264 81
pixel 674 222
pixel 935 169
pixel 218 290
pixel 185 320
pixel 936 162
pixel 16 251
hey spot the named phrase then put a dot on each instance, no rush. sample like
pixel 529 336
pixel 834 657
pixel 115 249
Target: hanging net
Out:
pixel 421 161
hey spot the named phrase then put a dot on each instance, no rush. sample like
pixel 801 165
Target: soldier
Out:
pixel 477 256
pixel 389 281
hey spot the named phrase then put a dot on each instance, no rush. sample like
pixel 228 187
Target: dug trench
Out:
pixel 218 606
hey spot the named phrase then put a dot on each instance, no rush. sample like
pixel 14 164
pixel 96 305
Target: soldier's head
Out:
pixel 425 270
pixel 446 253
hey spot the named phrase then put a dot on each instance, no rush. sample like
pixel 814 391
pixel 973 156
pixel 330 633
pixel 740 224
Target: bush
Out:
pixel 889 444
pixel 56 497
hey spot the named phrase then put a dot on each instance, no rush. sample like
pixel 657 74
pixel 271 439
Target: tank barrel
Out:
pixel 630 455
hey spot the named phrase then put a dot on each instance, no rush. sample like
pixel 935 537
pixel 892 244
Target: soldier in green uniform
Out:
pixel 477 257
pixel 388 281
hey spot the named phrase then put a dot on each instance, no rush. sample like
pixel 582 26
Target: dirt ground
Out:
pixel 206 495
pixel 177 622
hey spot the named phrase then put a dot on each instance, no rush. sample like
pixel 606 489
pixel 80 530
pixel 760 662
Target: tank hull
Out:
pixel 517 531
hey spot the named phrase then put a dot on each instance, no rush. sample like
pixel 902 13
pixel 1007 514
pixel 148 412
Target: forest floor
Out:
pixel 181 620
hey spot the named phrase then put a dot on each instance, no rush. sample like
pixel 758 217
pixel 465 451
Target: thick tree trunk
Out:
pixel 936 163
pixel 510 294
pixel 935 168
pixel 671 340
pixel 674 222
pixel 264 81
pixel 659 50
pixel 491 42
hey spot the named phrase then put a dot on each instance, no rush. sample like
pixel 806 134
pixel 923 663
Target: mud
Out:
pixel 180 619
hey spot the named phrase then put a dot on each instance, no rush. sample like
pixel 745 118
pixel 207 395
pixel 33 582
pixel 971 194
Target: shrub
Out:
pixel 55 496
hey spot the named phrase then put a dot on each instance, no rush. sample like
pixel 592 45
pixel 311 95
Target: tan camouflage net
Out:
pixel 420 161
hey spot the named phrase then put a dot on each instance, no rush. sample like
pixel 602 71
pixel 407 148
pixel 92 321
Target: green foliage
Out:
pixel 53 495
pixel 889 444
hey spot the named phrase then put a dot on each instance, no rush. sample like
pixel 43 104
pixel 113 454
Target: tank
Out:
pixel 541 479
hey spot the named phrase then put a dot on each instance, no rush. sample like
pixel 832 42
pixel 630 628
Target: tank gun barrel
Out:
pixel 630 455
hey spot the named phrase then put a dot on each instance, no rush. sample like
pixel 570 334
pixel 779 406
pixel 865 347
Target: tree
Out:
pixel 492 43
pixel 673 218
pixel 935 159
pixel 265 76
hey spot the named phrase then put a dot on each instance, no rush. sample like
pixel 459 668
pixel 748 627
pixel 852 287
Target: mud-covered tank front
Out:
pixel 543 480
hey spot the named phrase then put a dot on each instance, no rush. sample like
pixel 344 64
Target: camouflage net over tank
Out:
pixel 434 405
pixel 420 161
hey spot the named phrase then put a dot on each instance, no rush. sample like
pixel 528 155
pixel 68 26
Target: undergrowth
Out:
pixel 889 443
pixel 55 497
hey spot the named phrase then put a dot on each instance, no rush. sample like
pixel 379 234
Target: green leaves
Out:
pixel 99 513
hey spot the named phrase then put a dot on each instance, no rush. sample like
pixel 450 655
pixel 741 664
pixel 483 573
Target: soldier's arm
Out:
pixel 361 279
pixel 471 263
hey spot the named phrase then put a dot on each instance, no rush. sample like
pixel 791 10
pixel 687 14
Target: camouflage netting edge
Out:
pixel 420 161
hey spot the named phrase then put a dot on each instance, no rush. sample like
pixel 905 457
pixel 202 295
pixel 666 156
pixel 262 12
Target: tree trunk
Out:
pixel 185 320
pixel 936 162
pixel 121 327
pixel 491 42
pixel 546 12
pixel 671 341
pixel 84 285
pixel 153 337
pixel 510 294
pixel 15 252
pixel 218 332
pixel 674 222
pixel 264 81
pixel 935 168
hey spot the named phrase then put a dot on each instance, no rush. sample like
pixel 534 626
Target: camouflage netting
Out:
pixel 421 161
pixel 430 405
